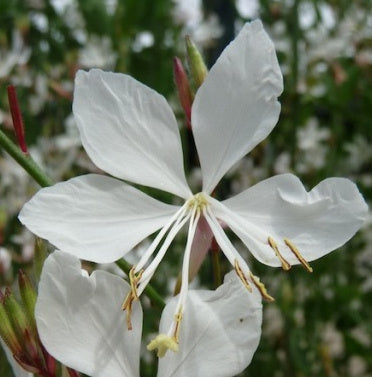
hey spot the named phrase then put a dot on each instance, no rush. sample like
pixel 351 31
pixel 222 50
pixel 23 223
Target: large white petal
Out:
pixel 236 107
pixel 17 370
pixel 129 130
pixel 80 321
pixel 316 222
pixel 220 332
pixel 94 217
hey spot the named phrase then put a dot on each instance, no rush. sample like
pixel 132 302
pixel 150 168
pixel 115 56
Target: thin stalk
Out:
pixel 25 160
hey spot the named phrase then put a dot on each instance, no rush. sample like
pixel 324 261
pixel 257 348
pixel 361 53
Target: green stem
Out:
pixel 25 160
pixel 149 290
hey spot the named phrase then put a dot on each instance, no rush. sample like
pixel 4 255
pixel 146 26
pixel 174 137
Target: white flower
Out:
pixel 5 261
pixel 80 323
pixel 130 132
pixel 97 52
pixel 17 55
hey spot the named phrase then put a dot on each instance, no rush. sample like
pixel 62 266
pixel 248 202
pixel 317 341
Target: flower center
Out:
pixel 197 203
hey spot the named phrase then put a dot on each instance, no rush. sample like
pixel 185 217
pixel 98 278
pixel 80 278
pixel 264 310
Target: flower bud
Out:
pixel 17 118
pixel 41 253
pixel 28 296
pixel 15 314
pixel 183 88
pixel 6 330
pixel 197 66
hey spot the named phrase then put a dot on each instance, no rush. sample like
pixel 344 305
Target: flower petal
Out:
pixel 236 107
pixel 17 370
pixel 315 222
pixel 129 130
pixel 94 217
pixel 219 332
pixel 80 321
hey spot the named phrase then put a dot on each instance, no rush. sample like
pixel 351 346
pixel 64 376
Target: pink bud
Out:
pixel 17 118
pixel 183 88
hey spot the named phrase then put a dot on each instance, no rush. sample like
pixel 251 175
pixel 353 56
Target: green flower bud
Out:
pixel 6 330
pixel 15 314
pixel 28 296
pixel 197 66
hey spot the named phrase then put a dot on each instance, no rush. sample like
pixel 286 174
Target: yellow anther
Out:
pixel 242 276
pixel 127 305
pixel 285 265
pixel 133 280
pixel 178 319
pixel 261 287
pixel 297 254
pixel 132 295
pixel 163 343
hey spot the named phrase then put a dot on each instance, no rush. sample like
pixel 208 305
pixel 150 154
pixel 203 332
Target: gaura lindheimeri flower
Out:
pixel 80 323
pixel 130 132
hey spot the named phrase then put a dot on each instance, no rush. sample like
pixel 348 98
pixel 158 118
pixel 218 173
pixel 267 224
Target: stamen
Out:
pixel 233 256
pixel 170 341
pixel 150 270
pixel 242 276
pixel 177 319
pixel 134 279
pixel 224 243
pixel 261 287
pixel 164 342
pixel 298 254
pixel 132 295
pixel 127 306
pixel 175 218
pixel 285 265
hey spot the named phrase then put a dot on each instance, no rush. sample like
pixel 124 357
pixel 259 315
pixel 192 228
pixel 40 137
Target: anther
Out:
pixel 132 295
pixel 127 306
pixel 134 279
pixel 297 254
pixel 285 265
pixel 242 276
pixel 177 319
pixel 261 287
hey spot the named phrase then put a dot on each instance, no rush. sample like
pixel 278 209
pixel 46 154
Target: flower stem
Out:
pixel 149 290
pixel 25 160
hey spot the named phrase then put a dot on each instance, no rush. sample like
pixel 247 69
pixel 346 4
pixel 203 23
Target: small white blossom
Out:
pixel 17 55
pixel 130 132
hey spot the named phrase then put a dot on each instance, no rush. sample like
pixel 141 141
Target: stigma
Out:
pixel 163 343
